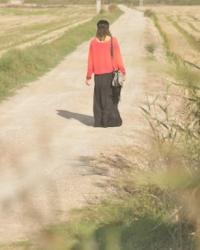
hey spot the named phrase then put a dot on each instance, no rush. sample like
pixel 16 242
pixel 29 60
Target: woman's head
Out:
pixel 103 29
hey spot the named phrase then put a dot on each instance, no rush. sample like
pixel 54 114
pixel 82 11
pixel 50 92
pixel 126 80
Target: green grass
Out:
pixel 18 67
pixel 143 220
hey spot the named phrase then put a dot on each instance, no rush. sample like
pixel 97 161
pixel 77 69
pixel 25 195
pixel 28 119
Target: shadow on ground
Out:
pixel 85 119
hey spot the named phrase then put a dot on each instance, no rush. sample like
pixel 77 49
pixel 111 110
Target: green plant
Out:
pixel 143 221
pixel 163 125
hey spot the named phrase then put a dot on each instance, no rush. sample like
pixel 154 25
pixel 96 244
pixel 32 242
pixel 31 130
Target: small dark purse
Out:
pixel 117 80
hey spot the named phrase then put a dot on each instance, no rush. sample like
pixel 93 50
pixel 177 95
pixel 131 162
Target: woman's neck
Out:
pixel 107 38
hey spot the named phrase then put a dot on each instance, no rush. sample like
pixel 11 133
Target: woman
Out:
pixel 102 63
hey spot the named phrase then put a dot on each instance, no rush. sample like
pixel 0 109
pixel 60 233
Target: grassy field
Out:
pixel 21 65
pixel 150 210
pixel 21 27
pixel 179 26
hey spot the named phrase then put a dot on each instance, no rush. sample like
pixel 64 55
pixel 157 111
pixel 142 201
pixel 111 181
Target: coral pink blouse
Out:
pixel 100 60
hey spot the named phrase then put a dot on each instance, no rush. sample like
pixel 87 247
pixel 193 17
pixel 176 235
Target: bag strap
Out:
pixel 111 48
pixel 112 52
pixel 112 55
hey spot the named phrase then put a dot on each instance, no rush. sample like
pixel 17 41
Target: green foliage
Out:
pixel 163 125
pixel 144 221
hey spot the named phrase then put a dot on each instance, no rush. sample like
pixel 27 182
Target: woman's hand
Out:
pixel 88 82
pixel 124 77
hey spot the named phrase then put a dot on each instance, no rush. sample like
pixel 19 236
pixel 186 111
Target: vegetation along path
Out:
pixel 46 136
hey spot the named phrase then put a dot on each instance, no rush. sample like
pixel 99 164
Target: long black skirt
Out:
pixel 106 113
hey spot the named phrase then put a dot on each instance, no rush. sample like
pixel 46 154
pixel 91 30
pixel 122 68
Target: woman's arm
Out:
pixel 90 68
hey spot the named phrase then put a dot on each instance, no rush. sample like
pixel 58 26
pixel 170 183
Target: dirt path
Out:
pixel 46 136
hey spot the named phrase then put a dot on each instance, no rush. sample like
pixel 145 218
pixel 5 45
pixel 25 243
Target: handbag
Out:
pixel 117 80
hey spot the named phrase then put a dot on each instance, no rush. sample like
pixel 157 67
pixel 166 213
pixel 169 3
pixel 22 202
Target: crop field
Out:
pixel 21 27
pixel 180 26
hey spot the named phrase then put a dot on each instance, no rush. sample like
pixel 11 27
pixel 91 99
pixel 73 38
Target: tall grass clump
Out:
pixel 175 155
pixel 19 66
pixel 174 158
pixel 176 138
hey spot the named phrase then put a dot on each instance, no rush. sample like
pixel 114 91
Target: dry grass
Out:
pixel 180 25
pixel 22 27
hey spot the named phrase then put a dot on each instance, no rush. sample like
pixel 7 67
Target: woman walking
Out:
pixel 103 59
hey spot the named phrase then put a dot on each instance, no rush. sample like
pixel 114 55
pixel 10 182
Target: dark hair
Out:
pixel 103 29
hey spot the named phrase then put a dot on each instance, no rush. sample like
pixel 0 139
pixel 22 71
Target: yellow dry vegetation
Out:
pixel 22 27
pixel 181 25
